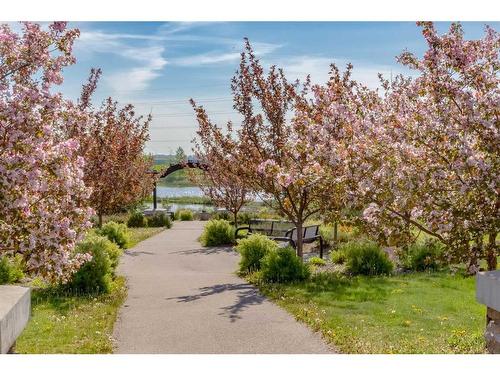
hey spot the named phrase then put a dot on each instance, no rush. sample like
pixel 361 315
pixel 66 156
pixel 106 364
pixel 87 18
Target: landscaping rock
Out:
pixel 488 293
pixel 15 310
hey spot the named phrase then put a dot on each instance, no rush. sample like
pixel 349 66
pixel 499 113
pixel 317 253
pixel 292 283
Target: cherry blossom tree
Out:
pixel 267 149
pixel 112 142
pixel 43 200
pixel 220 181
pixel 430 160
pixel 331 120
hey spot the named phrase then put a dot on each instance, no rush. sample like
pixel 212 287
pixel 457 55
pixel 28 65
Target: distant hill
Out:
pixel 161 159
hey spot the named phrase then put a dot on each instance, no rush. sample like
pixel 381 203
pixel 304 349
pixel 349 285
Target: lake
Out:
pixel 168 192
pixel 188 191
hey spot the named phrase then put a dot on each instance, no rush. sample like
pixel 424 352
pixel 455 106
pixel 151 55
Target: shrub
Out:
pixel 137 220
pixel 252 250
pixel 344 233
pixel 95 275
pixel 316 261
pixel 160 219
pixel 217 232
pixel 114 253
pixel 118 233
pixel 423 256
pixel 282 265
pixel 11 269
pixel 366 258
pixel 338 257
pixel 185 215
pixel 245 217
pixel 222 215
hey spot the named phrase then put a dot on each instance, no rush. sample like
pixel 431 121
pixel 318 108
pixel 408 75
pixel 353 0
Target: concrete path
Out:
pixel 184 298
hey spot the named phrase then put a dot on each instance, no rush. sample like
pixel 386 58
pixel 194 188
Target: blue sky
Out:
pixel 159 66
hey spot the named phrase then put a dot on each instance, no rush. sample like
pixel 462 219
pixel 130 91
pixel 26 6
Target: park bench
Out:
pixel 284 231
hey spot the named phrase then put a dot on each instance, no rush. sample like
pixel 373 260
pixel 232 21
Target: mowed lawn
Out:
pixel 140 234
pixel 412 313
pixel 68 323
pixel 72 324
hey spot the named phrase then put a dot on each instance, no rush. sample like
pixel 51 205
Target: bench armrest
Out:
pixel 284 239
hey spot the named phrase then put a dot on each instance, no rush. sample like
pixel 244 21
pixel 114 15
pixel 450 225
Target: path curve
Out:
pixel 184 298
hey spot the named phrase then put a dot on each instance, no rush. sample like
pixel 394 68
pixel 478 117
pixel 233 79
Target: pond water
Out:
pixel 189 191
pixel 168 191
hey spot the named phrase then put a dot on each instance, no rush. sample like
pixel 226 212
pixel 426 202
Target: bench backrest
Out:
pixel 270 227
pixel 309 231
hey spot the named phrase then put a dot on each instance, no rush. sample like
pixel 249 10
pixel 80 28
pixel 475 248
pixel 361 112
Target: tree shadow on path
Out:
pixel 135 253
pixel 247 296
pixel 207 250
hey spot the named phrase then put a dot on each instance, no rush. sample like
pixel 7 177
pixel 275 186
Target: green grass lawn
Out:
pixel 140 234
pixel 413 313
pixel 68 323
pixel 71 324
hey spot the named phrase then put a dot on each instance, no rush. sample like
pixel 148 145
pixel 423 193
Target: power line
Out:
pixel 170 140
pixel 183 114
pixel 101 91
pixel 182 101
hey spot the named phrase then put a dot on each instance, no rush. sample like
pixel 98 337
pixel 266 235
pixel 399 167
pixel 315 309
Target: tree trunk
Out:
pixel 491 251
pixel 235 214
pixel 474 255
pixel 299 242
pixel 99 224
pixel 335 233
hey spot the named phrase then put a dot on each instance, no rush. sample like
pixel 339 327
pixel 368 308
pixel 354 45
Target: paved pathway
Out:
pixel 184 298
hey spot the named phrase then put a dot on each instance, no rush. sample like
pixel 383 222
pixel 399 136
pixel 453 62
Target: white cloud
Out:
pixel 220 57
pixel 148 59
pixel 298 67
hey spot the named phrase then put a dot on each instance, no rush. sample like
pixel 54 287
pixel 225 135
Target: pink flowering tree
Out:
pixel 220 181
pixel 112 142
pixel 43 200
pixel 429 160
pixel 337 113
pixel 268 149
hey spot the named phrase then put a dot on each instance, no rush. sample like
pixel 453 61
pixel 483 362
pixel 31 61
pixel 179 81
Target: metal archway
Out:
pixel 190 163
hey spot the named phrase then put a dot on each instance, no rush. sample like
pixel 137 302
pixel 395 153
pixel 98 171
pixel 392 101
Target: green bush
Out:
pixel 222 215
pixel 366 258
pixel 316 261
pixel 95 275
pixel 338 257
pixel 114 253
pixel 11 269
pixel 245 217
pixel 252 250
pixel 283 266
pixel 118 233
pixel 217 232
pixel 423 256
pixel 185 215
pixel 137 220
pixel 344 233
pixel 160 219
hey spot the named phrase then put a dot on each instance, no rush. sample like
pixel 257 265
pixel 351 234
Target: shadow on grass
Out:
pixel 246 296
pixel 341 288
pixel 338 287
pixel 62 299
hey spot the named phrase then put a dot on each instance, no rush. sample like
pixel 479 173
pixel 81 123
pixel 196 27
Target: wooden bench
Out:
pixel 284 231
